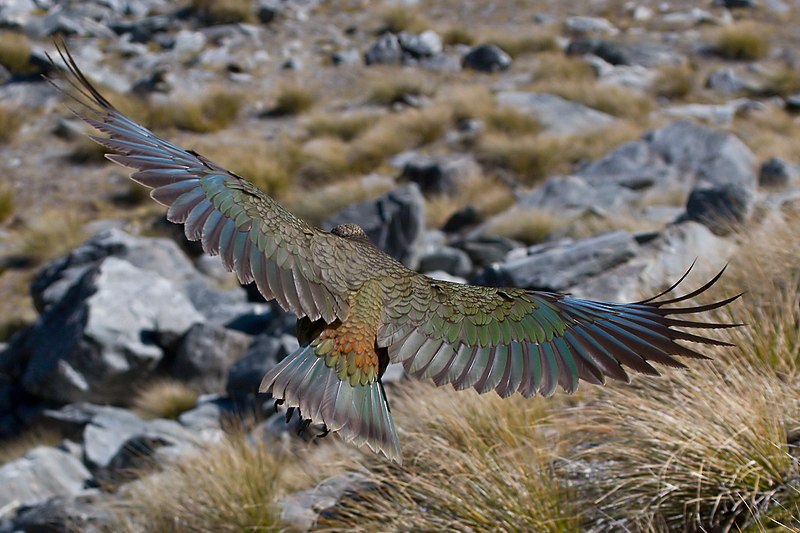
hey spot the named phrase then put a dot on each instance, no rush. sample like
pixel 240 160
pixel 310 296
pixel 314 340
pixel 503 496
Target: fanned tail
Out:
pixel 360 413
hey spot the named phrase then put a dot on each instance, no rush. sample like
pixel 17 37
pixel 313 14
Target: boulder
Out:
pixel 386 50
pixel 395 222
pixel 205 355
pixel 86 512
pixel 562 265
pixel 484 250
pixel 105 335
pixel 643 54
pixel 425 44
pixel 302 509
pixel 245 376
pixel 486 58
pixel 438 174
pixel 777 173
pixel 581 26
pixel 721 208
pixel 447 259
pixel 573 194
pixel 41 474
pixel 557 115
pixel 726 81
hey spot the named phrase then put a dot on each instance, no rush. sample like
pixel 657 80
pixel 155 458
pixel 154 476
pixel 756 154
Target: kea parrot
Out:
pixel 359 309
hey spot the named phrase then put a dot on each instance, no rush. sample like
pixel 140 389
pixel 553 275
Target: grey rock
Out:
pixel 144 30
pixel 777 173
pixel 395 222
pixel 267 11
pixel 721 208
pixel 439 174
pixel 302 509
pixel 450 260
pixel 386 50
pixel 793 102
pixel 701 154
pixel 486 58
pixel 719 115
pixel 557 115
pixel 100 340
pixel 5 75
pixel 86 513
pixel 485 250
pixel 644 54
pixel 576 193
pixel 463 218
pixel 245 376
pixel 727 81
pixel 41 474
pixel 115 435
pixel 346 57
pixel 632 165
pixel 734 4
pixel 559 266
pixel 590 25
pixel 205 355
pixel 207 415
pixel 425 44
pixel 189 42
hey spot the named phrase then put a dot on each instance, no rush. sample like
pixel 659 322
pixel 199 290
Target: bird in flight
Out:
pixel 359 309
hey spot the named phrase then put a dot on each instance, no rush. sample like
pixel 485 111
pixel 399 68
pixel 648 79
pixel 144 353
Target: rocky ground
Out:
pixel 597 148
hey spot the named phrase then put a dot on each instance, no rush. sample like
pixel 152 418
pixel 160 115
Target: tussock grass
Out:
pixel 343 126
pixel 505 119
pixel 457 35
pixel 16 447
pixel 393 87
pixel 396 19
pixel 528 43
pixel 165 399
pixel 410 129
pixel 51 234
pixel 742 42
pixel 224 11
pixel 10 122
pixel 293 99
pixel 471 464
pixel 216 110
pixel 559 67
pixel 6 202
pixel 231 486
pixel 769 133
pixel 323 160
pixel 468 102
pixel 487 194
pixel 611 99
pixel 320 203
pixel 783 82
pixel 674 82
pixel 530 226
pixel 15 52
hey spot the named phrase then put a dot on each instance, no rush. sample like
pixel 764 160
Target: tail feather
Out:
pixel 360 413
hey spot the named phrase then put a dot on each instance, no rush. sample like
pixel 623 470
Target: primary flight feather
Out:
pixel 359 309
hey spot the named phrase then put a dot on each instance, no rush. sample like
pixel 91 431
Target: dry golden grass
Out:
pixel 231 486
pixel 50 234
pixel 516 45
pixel 293 99
pixel 674 82
pixel 401 17
pixel 769 133
pixel 743 42
pixel 323 160
pixel 612 99
pixel 343 126
pixel 457 35
pixel 391 86
pixel 10 122
pixel 165 398
pixel 506 119
pixel 216 110
pixel 16 447
pixel 486 194
pixel 467 102
pixel 591 224
pixel 6 203
pixel 562 68
pixel 15 52
pixel 784 81
pixel 471 464
pixel 410 129
pixel 530 226
pixel 224 11
pixel 319 203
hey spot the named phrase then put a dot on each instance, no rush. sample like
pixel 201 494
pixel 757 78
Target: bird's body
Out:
pixel 359 309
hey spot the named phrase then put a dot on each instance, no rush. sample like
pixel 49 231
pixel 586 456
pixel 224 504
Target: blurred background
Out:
pixel 596 147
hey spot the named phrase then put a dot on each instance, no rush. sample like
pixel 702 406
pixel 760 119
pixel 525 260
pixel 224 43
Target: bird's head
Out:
pixel 349 231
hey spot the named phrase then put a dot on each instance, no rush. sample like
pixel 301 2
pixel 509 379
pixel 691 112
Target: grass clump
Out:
pixel 782 82
pixel 674 82
pixel 6 203
pixel 471 463
pixel 562 68
pixel 224 11
pixel 742 42
pixel 16 447
pixel 457 35
pixel 506 119
pixel 612 99
pixel 342 126
pixel 15 53
pixel 10 122
pixel 320 203
pixel 292 99
pixel 231 486
pixel 517 45
pixel 530 226
pixel 323 160
pixel 51 234
pixel 215 111
pixel 399 88
pixel 165 399
pixel 396 19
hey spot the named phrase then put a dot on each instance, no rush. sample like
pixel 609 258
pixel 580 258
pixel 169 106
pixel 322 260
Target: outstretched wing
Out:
pixel 517 340
pixel 290 261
